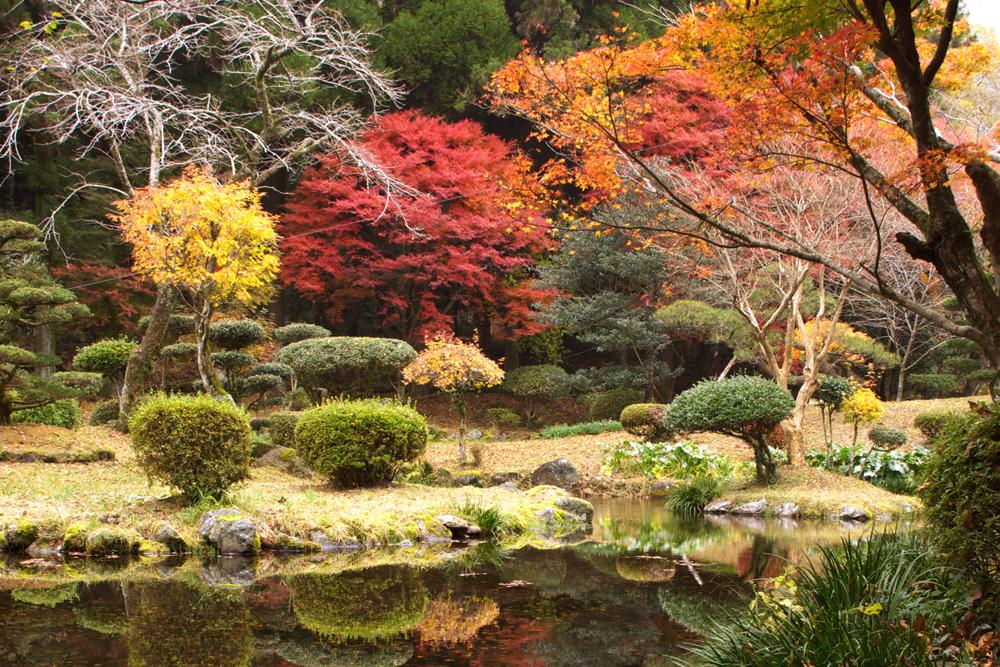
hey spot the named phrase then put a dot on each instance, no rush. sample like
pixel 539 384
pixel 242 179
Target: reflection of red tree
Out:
pixel 752 563
pixel 506 643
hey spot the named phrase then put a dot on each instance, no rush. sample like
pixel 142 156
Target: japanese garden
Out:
pixel 469 332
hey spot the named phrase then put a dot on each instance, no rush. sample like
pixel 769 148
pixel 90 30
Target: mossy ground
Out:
pixel 56 495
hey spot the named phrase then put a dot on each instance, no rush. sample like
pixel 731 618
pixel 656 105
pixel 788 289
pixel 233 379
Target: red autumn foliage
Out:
pixel 463 242
pixel 116 298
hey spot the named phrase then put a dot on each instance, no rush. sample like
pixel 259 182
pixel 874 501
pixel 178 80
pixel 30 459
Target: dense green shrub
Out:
pixel 64 413
pixel 886 439
pixel 179 325
pixel 691 496
pixel 232 361
pixel 868 602
pixel 283 371
pixel 107 357
pixel 259 424
pixel 298 399
pixel 531 383
pixel 743 407
pixel 832 391
pixel 503 417
pixel 609 404
pixel 282 428
pixel 296 331
pixel 961 495
pixel 585 428
pixel 87 383
pixel 104 412
pixel 178 351
pixel 195 443
pixel 370 604
pixel 931 422
pixel 645 420
pixel 895 471
pixel 259 384
pixel 934 385
pixel 236 334
pixel 360 443
pixel 343 364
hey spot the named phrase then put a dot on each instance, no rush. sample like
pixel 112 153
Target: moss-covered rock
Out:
pixel 229 531
pixel 168 536
pixel 370 604
pixel 18 536
pixel 75 539
pixel 112 541
pixel 291 544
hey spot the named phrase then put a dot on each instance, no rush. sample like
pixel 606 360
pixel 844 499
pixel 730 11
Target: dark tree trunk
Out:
pixel 141 361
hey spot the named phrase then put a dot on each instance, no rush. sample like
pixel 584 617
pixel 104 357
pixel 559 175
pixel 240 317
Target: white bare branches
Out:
pixel 108 75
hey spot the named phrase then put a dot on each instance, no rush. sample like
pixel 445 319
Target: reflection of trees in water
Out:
pixel 664 532
pixel 453 621
pixel 544 569
pixel 308 651
pixel 170 623
pixel 763 559
pixel 371 604
pixel 645 568
pixel 49 597
pixel 700 609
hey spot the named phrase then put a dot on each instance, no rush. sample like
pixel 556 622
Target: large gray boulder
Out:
pixel 229 531
pixel 718 507
pixel 559 472
pixel 168 536
pixel 851 513
pixel 755 508
pixel 285 459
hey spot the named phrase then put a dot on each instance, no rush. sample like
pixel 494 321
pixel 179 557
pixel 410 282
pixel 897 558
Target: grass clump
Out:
pixel 585 428
pixel 690 498
pixel 494 522
pixel 866 603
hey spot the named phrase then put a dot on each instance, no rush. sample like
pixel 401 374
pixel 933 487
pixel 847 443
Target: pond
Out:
pixel 639 590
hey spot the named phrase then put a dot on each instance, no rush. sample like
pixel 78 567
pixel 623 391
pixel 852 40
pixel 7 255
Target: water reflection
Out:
pixel 644 586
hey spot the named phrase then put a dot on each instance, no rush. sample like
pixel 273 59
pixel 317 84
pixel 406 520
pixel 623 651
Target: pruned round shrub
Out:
pixel 179 325
pixel 107 357
pixel 296 331
pixel 105 412
pixel 375 603
pixel 833 391
pixel 259 384
pixel 645 420
pixel 743 407
pixel 179 351
pixel 933 384
pixel 232 361
pixel 64 413
pixel 284 371
pixel 531 381
pixel 195 443
pixel 344 364
pixel 931 422
pixel 236 334
pixel 961 495
pixel 360 443
pixel 886 439
pixel 88 383
pixel 609 404
pixel 282 428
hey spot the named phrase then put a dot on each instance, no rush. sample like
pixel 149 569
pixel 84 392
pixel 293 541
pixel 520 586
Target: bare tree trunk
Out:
pixel 901 383
pixel 44 344
pixel 140 362
pixel 206 369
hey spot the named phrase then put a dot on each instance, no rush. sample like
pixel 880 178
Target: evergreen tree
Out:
pixel 610 288
pixel 29 299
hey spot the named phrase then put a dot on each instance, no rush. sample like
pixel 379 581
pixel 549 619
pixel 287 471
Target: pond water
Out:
pixel 639 590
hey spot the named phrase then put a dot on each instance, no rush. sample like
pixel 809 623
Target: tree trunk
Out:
pixel 901 383
pixel 44 344
pixel 460 407
pixel 140 362
pixel 206 369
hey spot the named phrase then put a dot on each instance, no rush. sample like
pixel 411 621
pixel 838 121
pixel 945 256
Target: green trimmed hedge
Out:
pixel 281 427
pixel 236 334
pixel 64 413
pixel 195 443
pixel 298 331
pixel 360 443
pixel 645 420
pixel 345 364
pixel 608 405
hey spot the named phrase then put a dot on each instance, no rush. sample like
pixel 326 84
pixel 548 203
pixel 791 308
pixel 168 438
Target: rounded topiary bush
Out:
pixel 832 391
pixel 232 361
pixel 107 357
pixel 540 380
pixel 64 413
pixel 931 422
pixel 296 331
pixel 743 407
pixel 360 443
pixel 179 351
pixel 961 494
pixel 179 325
pixel 345 364
pixel 370 604
pixel 196 443
pixel 284 371
pixel 281 427
pixel 104 412
pixel 609 404
pixel 235 334
pixel 645 420
pixel 886 439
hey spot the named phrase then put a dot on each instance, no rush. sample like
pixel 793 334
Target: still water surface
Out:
pixel 640 589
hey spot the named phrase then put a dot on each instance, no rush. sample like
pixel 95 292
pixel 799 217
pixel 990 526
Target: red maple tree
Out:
pixel 461 241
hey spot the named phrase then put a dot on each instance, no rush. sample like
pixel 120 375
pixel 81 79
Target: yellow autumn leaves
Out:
pixel 202 235
pixel 452 366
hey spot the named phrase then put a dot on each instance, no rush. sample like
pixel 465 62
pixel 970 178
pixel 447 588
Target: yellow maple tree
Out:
pixel 212 241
